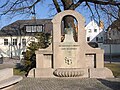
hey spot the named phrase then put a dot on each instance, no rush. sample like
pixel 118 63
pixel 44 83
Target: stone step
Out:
pixel 9 81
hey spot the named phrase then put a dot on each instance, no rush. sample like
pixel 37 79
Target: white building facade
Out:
pixel 15 37
pixel 11 46
pixel 94 33
pixel 109 41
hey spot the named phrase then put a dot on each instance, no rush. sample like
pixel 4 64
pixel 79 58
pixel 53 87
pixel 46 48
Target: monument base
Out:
pixel 41 73
pixel 60 72
pixel 100 73
pixel 71 72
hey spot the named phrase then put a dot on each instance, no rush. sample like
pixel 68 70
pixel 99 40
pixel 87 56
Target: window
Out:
pixel 40 28
pixel 96 38
pixel 34 28
pixel 24 42
pixel 88 38
pixel 109 34
pixel 95 30
pixel 28 29
pixel 5 41
pixel 89 30
pixel 14 41
pixel 113 32
pixel 101 39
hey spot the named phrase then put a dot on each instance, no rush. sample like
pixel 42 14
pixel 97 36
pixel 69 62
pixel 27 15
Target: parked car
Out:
pixel 93 44
pixel 1 59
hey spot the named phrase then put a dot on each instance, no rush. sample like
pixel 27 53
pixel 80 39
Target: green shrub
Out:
pixel 30 57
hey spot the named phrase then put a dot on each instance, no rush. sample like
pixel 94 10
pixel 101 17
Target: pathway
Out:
pixel 67 84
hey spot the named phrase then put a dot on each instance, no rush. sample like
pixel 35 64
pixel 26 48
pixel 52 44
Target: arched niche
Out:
pixel 69 25
pixel 57 20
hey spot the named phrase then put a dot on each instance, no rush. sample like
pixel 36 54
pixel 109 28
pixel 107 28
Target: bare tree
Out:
pixel 107 7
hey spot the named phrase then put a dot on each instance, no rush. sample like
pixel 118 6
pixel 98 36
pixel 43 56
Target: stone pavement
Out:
pixel 67 84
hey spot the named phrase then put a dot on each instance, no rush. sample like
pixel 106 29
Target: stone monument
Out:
pixel 70 57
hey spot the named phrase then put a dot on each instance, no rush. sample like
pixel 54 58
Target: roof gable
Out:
pixel 18 27
pixel 92 24
pixel 115 25
pixel 21 23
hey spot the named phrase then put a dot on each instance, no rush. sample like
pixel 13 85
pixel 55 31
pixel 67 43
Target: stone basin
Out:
pixel 68 72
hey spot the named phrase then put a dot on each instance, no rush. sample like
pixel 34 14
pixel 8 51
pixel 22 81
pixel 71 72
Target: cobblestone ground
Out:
pixel 67 84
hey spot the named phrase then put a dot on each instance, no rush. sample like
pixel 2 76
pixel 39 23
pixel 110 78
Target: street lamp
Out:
pixel 110 49
pixel 11 47
pixel 19 50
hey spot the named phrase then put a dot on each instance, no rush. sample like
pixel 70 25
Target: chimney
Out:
pixel 101 24
pixel 33 18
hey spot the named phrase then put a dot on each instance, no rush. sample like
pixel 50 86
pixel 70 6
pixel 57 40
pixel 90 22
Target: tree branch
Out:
pixel 34 4
pixel 11 9
pixel 56 5
pixel 90 9
pixel 104 2
pixel 107 11
pixel 76 5
pixel 5 4
pixel 97 12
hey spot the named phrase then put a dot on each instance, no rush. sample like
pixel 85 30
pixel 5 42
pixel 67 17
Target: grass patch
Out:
pixel 17 71
pixel 114 67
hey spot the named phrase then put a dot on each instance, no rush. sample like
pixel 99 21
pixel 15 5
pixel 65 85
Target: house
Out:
pixel 112 41
pixel 14 38
pixel 109 41
pixel 113 34
pixel 94 32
